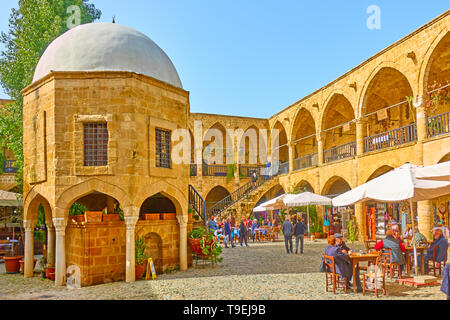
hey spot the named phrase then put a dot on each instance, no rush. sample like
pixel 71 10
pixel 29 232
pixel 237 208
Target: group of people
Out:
pixel 393 241
pixel 226 229
pixel 290 230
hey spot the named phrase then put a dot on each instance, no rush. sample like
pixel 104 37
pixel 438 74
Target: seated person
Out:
pixel 441 243
pixel 341 244
pixel 342 262
pixel 392 241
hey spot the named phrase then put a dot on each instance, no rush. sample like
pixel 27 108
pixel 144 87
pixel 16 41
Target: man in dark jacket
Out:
pixel 340 243
pixel 227 230
pixel 439 242
pixel 397 247
pixel 243 232
pixel 299 232
pixel 287 229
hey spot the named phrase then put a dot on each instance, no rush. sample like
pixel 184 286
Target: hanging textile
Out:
pixel 326 222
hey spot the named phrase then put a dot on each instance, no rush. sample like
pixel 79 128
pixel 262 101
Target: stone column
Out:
pixel 236 161
pixel 60 263
pixel 50 245
pixel 29 248
pixel 131 219
pixel 425 216
pixel 291 146
pixel 320 159
pixel 359 215
pixel 360 125
pixel 183 220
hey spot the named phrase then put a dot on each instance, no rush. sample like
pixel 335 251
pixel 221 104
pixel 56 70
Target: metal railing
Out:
pixel 439 124
pixel 214 170
pixel 340 152
pixel 8 166
pixel 246 171
pixel 193 170
pixel 391 138
pixel 198 203
pixel 284 167
pixel 308 161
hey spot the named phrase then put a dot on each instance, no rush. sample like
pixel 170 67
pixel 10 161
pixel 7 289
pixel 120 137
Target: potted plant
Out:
pixel 151 216
pixel 190 214
pixel 76 212
pixel 168 216
pixel 140 257
pixel 204 245
pixel 110 216
pixel 93 216
pixel 12 264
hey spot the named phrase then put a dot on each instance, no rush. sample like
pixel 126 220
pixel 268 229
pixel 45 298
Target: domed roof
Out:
pixel 107 47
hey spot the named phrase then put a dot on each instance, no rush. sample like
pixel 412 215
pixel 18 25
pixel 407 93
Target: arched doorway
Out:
pixel 304 140
pixel 157 204
pixel 280 152
pixel 387 127
pixel 215 195
pixel 154 250
pixel 303 186
pixel 339 140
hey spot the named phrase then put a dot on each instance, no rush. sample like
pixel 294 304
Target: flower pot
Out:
pixel 168 216
pixel 48 272
pixel 313 237
pixel 12 264
pixel 110 217
pixel 78 218
pixel 22 262
pixel 93 216
pixel 151 216
pixel 139 271
pixel 195 245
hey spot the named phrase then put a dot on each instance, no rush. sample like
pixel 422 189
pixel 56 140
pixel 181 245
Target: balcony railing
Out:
pixel 439 124
pixel 247 171
pixel 305 162
pixel 284 168
pixel 214 170
pixel 340 152
pixel 8 166
pixel 391 138
pixel 193 170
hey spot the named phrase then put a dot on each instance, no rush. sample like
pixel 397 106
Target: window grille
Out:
pixel 162 148
pixel 95 144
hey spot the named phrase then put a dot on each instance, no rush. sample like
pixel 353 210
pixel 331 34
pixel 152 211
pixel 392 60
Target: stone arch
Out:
pixel 31 206
pixel 369 81
pixel 380 171
pixel 154 249
pixel 427 61
pixel 336 112
pixel 243 143
pixel 303 126
pixel 304 184
pixel 283 140
pixel 332 95
pixel 445 158
pixel 70 195
pixel 335 185
pixel 275 191
pixel 214 195
pixel 178 198
pixel 226 149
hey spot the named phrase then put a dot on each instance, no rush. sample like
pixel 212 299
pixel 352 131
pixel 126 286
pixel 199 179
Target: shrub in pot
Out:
pixel 76 212
pixel 140 257
pixel 110 216
pixel 205 245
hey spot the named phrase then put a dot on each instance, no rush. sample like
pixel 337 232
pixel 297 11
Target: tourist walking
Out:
pixel 243 232
pixel 228 231
pixel 299 232
pixel 254 178
pixel 287 229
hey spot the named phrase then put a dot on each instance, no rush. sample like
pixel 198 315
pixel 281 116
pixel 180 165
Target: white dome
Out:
pixel 107 47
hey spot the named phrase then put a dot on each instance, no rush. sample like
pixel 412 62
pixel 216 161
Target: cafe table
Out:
pixel 356 258
pixel 410 250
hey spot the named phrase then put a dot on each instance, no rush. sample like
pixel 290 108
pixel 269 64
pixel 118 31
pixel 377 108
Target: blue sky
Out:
pixel 256 57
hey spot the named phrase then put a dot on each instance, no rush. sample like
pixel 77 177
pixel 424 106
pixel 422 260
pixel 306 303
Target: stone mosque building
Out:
pixel 105 100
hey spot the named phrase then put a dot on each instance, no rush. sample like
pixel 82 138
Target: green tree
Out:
pixel 32 27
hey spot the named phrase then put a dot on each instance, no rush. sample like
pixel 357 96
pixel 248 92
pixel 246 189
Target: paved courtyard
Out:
pixel 262 271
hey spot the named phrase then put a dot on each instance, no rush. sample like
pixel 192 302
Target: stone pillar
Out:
pixel 29 249
pixel 60 263
pixel 421 116
pixel 320 159
pixel 50 245
pixel 425 216
pixel 183 220
pixel 291 146
pixel 236 161
pixel 131 218
pixel 360 125
pixel 359 215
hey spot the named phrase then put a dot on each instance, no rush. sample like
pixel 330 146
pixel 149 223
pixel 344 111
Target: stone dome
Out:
pixel 107 47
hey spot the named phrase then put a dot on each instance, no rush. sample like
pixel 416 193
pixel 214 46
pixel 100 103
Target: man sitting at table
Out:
pixel 342 263
pixel 392 241
pixel 439 242
pixel 340 243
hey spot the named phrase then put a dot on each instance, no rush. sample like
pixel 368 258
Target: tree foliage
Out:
pixel 32 26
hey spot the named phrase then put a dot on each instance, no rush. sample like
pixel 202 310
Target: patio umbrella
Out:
pixel 438 172
pixel 396 186
pixel 306 199
pixel 9 199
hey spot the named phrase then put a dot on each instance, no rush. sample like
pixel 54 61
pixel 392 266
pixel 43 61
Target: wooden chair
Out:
pixel 433 264
pixel 331 277
pixel 380 264
pixel 390 267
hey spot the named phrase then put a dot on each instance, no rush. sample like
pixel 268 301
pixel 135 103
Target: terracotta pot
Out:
pixel 77 219
pixel 110 217
pixel 48 272
pixel 22 262
pixel 93 216
pixel 190 216
pixel 139 271
pixel 196 246
pixel 151 216
pixel 168 216
pixel 12 264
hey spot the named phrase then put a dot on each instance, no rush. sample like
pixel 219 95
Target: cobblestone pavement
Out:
pixel 262 271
